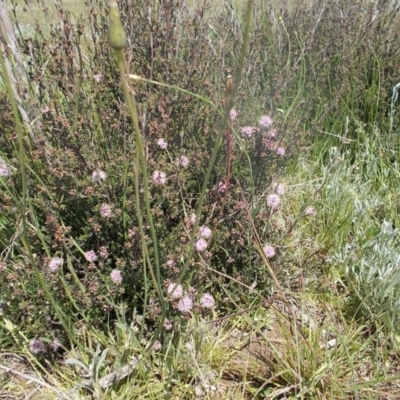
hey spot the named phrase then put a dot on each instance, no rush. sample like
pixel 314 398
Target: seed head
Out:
pixel 229 84
pixel 116 33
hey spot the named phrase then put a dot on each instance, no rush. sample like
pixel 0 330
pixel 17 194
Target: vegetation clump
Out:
pixel 199 200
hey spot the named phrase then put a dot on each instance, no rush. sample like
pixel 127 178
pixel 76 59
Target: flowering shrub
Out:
pixel 84 228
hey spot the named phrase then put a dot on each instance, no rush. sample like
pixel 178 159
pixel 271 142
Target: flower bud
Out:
pixel 229 84
pixel 116 33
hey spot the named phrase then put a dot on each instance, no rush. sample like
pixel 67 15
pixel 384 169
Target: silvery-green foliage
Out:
pixel 372 262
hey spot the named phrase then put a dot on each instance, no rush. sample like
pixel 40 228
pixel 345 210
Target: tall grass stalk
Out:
pixel 117 40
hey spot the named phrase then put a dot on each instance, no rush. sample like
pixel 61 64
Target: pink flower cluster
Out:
pixel 265 123
pixel 162 144
pixel 98 176
pixel 159 177
pixel 203 233
pixel 269 251
pixel 184 300
pixel 55 263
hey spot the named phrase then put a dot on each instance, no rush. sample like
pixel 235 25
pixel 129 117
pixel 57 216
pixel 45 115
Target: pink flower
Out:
pixel 233 114
pixel 159 177
pixel 105 210
pixel 55 263
pixel 116 276
pixel 55 344
pixel 207 301
pixel 265 121
pixel 192 218
pixel 167 325
pixel 36 346
pixel 162 143
pixel 280 151
pixel 170 263
pixel 157 345
pixel 248 131
pixel 273 200
pixel 177 293
pixel 97 77
pixel 279 188
pixel 310 210
pixel 91 256
pixel 221 187
pixel 185 304
pixel 183 161
pixel 272 133
pixel 269 251
pixel 4 170
pixel 98 176
pixel 201 245
pixel 204 232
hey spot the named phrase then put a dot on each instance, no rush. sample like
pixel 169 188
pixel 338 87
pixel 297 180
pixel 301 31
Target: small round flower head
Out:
pixel 248 131
pixel 55 345
pixel 159 177
pixel 55 263
pixel 272 133
pixel 192 218
pixel 207 301
pixel 177 293
pixel 273 200
pixel 116 276
pixel 233 114
pixel 105 211
pixel 157 345
pixel 185 304
pixel 310 210
pixel 98 176
pixel 4 170
pixel 280 151
pixel 3 266
pixel 269 251
pixel 204 232
pixel 279 188
pixel 167 325
pixel 221 187
pixel 170 263
pixel 91 256
pixel 201 245
pixel 36 346
pixel 182 161
pixel 97 77
pixel 103 252
pixel 162 144
pixel 265 121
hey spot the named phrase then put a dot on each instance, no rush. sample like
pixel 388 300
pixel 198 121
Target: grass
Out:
pixel 136 215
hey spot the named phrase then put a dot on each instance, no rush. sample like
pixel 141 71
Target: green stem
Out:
pixel 140 165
